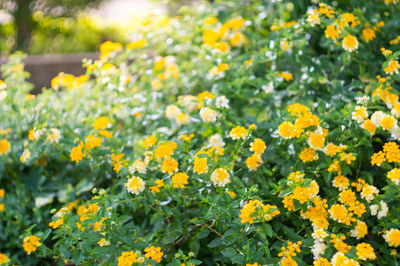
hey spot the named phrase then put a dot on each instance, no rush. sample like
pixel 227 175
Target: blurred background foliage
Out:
pixel 67 26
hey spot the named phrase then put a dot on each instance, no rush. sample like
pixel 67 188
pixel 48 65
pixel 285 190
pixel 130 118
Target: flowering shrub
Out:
pixel 227 135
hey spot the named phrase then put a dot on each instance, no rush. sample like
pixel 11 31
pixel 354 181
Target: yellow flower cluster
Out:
pixel 288 252
pixel 256 211
pixel 254 161
pixel 31 243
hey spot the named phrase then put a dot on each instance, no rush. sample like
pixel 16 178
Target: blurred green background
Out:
pixel 68 26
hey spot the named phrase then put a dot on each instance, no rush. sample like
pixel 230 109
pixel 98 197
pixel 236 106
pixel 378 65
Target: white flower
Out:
pixel 189 101
pixel 54 136
pixel 318 249
pixel 220 177
pixel 3 95
pixel 222 102
pixel 360 114
pixel 384 210
pixel 208 115
pixel 377 117
pixel 313 17
pixel 172 111
pixel 374 209
pixel 368 193
pixel 395 132
pixel 319 234
pixel 138 166
pixel 25 155
pixel 362 99
pixel 269 88
pixel 135 185
pixel 216 140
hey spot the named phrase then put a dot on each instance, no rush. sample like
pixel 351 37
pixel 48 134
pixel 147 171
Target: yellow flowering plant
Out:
pixel 264 134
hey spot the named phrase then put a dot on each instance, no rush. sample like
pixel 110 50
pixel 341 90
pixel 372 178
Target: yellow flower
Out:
pixel 185 137
pixel 137 44
pixel 154 253
pixel 127 258
pixel 348 157
pixel 116 161
pixel 92 142
pixel 210 20
pixel 169 166
pixel 57 223
pixel 223 47
pixel 388 122
pixel 257 146
pixel 149 142
pixel 392 237
pixel 392 68
pixel 76 153
pixel 108 47
pixel 103 242
pixel 392 152
pixel 332 32
pixel 332 149
pixel 298 109
pixel 179 180
pixel 135 185
pixel 4 146
pixel 222 67
pixel 288 261
pixel 360 114
pixel 368 34
pixel 105 133
pixel 365 251
pixel 394 175
pixel 31 243
pixel 286 76
pixel 220 177
pixel 378 158
pixel 200 165
pixel 210 37
pixel 3 258
pixel 360 230
pixel 341 182
pixel 339 213
pixel 231 194
pixel 369 126
pixel 350 43
pixel 164 151
pixel 287 130
pixel 308 155
pixel 238 39
pixel 253 162
pixel 347 196
pixel 316 141
pixel 2 193
pixel 101 122
pixel 238 132
pixel 322 262
pixel 156 188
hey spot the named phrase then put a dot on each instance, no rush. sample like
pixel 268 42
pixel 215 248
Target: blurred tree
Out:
pixel 22 11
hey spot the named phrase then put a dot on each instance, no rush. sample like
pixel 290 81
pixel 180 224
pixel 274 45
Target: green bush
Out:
pixel 235 133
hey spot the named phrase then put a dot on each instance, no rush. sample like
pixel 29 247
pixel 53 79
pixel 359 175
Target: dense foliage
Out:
pixel 57 35
pixel 252 133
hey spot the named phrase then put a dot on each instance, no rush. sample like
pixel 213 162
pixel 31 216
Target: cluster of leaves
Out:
pixel 236 133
